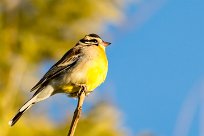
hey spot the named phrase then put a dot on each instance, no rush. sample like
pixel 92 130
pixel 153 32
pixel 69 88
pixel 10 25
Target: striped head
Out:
pixel 93 39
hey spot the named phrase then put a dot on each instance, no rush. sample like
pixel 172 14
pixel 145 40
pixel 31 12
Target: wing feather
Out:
pixel 67 61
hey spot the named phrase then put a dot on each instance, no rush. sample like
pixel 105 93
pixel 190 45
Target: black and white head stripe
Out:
pixel 94 35
pixel 91 39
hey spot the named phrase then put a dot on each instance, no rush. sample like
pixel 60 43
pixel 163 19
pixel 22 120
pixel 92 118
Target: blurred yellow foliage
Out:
pixel 35 30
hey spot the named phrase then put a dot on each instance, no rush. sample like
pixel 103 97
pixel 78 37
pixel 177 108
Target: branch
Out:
pixel 77 112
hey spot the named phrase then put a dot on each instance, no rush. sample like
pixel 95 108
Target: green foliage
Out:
pixel 35 30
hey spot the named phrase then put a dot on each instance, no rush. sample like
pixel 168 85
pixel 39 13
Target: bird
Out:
pixel 83 66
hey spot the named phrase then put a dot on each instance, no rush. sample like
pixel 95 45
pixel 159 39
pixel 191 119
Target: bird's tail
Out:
pixel 38 96
pixel 24 108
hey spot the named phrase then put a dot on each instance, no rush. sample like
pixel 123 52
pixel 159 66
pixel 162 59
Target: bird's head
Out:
pixel 93 39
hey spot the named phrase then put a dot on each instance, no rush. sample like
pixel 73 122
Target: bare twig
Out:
pixel 77 112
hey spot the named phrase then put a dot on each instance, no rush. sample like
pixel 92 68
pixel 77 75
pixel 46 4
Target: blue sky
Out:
pixel 156 68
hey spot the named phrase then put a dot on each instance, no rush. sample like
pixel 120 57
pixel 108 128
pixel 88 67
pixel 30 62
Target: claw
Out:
pixel 83 88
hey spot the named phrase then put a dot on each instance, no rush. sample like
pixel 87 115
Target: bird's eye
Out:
pixel 94 40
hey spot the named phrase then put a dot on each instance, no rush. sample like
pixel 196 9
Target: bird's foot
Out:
pixel 83 88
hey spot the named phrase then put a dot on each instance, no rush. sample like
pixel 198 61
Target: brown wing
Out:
pixel 67 61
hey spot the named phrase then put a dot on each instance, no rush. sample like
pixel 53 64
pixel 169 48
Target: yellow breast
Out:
pixel 91 72
pixel 96 74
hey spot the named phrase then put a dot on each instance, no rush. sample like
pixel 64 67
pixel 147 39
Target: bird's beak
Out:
pixel 106 43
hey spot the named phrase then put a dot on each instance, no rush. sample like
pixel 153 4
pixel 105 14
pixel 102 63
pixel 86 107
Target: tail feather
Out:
pixel 38 96
pixel 24 108
pixel 18 115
